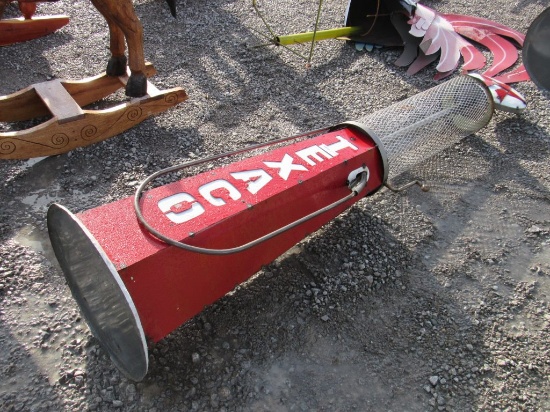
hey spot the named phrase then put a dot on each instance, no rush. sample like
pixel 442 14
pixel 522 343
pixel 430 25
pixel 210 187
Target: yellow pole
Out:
pixel 318 35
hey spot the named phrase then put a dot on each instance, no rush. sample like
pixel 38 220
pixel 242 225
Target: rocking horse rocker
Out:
pixel 71 126
pixel 29 26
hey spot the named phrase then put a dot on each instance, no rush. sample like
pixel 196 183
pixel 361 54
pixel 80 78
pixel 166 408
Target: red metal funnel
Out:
pixel 142 266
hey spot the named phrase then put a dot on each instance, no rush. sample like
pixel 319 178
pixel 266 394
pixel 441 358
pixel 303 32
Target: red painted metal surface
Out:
pixel 225 208
pixel 20 29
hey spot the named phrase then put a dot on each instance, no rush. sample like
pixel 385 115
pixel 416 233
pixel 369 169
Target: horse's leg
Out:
pixel 117 44
pixel 121 18
pixel 133 31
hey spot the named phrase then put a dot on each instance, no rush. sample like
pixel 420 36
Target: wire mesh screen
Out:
pixel 417 128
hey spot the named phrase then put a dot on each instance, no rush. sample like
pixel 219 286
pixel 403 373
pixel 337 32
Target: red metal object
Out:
pixel 28 27
pixel 20 29
pixel 224 208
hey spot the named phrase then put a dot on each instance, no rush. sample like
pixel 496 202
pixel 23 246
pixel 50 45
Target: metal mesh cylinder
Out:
pixel 416 128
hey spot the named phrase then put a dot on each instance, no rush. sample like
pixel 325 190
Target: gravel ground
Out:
pixel 413 301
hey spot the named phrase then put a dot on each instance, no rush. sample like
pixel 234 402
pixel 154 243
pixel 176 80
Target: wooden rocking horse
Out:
pixel 71 126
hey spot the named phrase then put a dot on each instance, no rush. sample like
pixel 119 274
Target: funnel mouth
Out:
pixel 99 291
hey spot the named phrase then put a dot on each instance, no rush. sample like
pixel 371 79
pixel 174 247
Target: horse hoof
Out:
pixel 137 85
pixel 116 66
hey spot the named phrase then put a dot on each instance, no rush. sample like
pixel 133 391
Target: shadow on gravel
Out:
pixel 28 365
pixel 523 139
pixel 22 374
